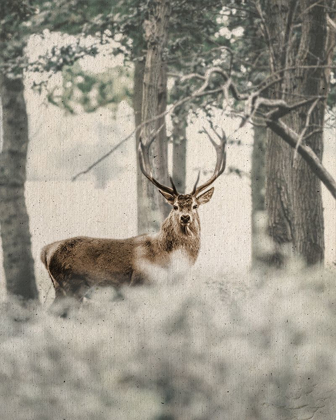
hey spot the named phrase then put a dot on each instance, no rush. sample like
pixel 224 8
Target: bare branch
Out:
pixel 305 11
pixel 198 93
pixel 291 138
pixel 303 132
pixel 267 35
pixel 88 169
pixel 253 102
pixel 97 162
pixel 288 33
pixel 312 133
pixel 286 109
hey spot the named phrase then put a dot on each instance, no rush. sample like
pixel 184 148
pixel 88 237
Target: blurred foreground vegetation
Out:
pixel 227 346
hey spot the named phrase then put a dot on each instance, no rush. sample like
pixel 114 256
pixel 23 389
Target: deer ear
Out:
pixel 170 198
pixel 205 197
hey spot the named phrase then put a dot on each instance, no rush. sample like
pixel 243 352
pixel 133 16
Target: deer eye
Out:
pixel 175 207
pixel 195 206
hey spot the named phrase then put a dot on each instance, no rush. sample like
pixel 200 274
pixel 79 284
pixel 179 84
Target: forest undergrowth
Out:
pixel 222 346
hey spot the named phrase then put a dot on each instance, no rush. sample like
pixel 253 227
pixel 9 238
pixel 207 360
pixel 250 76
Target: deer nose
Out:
pixel 185 218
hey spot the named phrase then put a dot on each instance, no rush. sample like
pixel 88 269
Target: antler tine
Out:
pixel 223 135
pixel 210 138
pixel 220 164
pixel 143 151
pixel 173 185
pixel 222 138
pixel 212 128
pixel 195 186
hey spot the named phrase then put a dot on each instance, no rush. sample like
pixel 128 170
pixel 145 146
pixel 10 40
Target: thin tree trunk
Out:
pixel 293 192
pixel 180 150
pixel 258 191
pixel 154 99
pixel 14 221
pixel 142 199
pixel 161 161
pixel 139 71
pixel 179 135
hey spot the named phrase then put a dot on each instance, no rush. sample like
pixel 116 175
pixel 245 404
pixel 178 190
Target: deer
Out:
pixel 79 264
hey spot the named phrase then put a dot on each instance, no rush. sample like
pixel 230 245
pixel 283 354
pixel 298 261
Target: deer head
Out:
pixel 184 213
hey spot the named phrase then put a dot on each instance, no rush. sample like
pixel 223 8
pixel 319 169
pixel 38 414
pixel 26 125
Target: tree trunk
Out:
pixel 293 191
pixel 161 161
pixel 142 198
pixel 139 71
pixel 180 151
pixel 14 221
pixel 153 102
pixel 258 191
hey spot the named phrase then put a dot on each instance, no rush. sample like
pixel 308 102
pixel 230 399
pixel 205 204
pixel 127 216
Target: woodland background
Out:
pixel 250 333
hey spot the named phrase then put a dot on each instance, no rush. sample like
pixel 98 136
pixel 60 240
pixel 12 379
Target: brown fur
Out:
pixel 77 264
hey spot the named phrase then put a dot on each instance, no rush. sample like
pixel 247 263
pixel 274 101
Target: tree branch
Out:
pixel 303 132
pixel 198 93
pixel 88 169
pixel 253 102
pixel 284 108
pixel 292 138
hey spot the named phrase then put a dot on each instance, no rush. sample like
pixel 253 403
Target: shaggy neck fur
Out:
pixel 173 236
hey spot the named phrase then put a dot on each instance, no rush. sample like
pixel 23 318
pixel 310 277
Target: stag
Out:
pixel 78 264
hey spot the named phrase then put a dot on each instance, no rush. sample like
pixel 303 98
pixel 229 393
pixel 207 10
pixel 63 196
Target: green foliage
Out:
pixel 58 58
pixel 229 37
pixel 12 14
pixel 70 16
pixel 14 26
pixel 192 31
pixel 88 91
pixel 197 40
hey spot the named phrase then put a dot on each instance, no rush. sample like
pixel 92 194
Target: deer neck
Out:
pixel 174 237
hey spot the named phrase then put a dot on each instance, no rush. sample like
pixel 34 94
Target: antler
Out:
pixel 143 152
pixel 220 164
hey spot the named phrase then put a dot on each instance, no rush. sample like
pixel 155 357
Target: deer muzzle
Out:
pixel 185 219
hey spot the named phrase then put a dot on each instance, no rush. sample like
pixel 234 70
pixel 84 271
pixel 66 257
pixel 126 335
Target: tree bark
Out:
pixel 154 101
pixel 161 161
pixel 139 71
pixel 142 198
pixel 180 151
pixel 258 190
pixel 293 192
pixel 14 221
